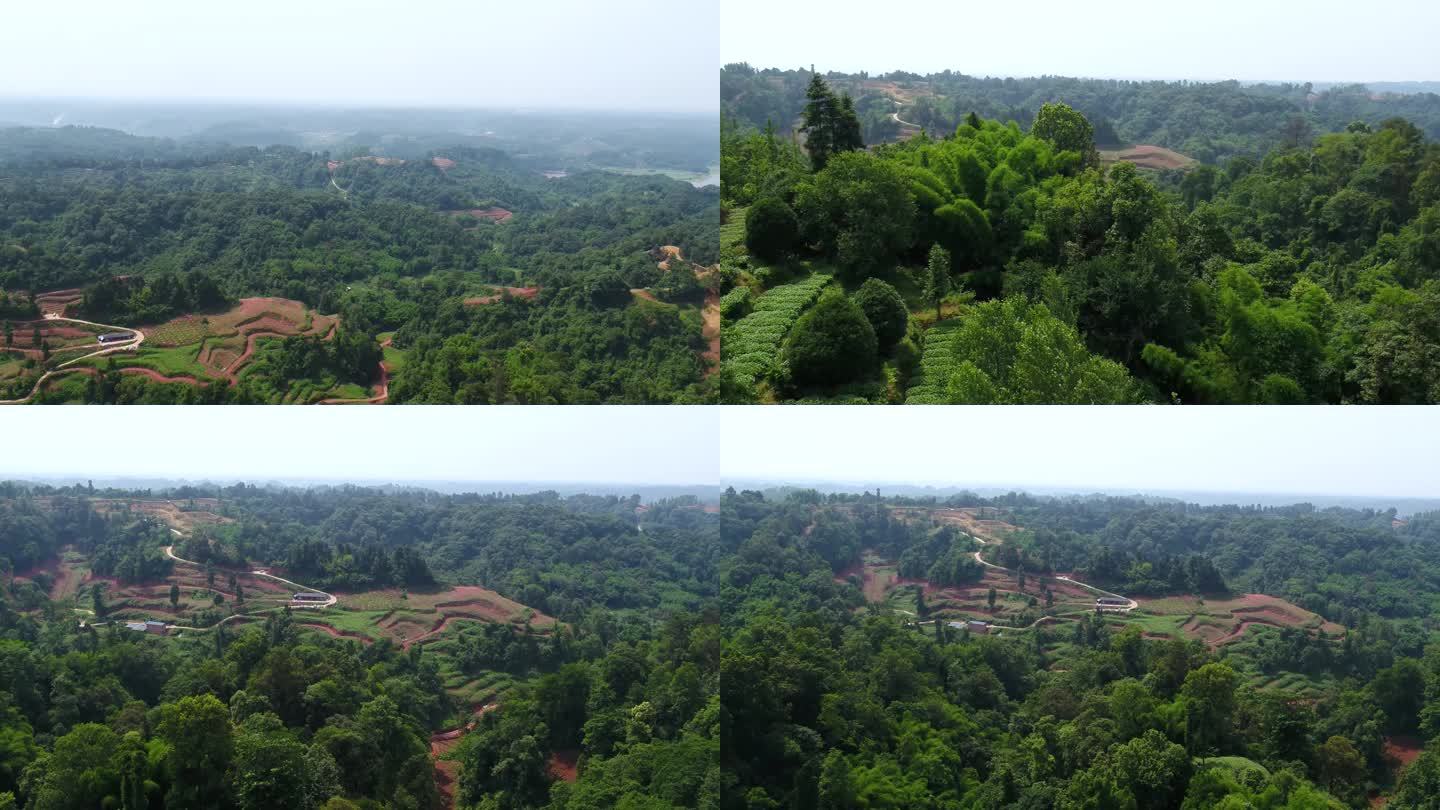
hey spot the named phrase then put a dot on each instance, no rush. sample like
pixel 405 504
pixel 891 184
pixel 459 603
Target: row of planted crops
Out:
pixel 758 325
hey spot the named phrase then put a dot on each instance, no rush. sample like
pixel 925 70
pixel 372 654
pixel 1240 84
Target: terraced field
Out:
pixel 72 577
pixel 978 522
pixel 1224 621
pixel 420 617
pixel 438 620
pixel 751 346
pixel 732 231
pixel 882 584
pixel 937 364
pixel 216 347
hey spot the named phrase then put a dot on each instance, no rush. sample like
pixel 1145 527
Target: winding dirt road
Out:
pixel 1130 605
pixel 109 348
pixel 260 572
pixel 903 123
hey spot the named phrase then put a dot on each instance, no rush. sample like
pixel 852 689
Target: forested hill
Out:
pixel 507 652
pixel 911 271
pixel 548 139
pixel 428 250
pixel 1208 121
pixel 894 654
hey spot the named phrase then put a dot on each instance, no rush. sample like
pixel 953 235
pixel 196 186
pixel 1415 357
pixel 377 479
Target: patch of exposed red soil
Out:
pixel 493 214
pixel 248 353
pixel 1209 633
pixel 64 577
pixel 710 330
pixel 1151 157
pixel 664 254
pixel 645 294
pixel 441 743
pixel 970 520
pixel 52 332
pixel 873 587
pixel 268 322
pixel 1273 614
pixel 447 772
pixel 1403 750
pixel 564 764
pixel 436 630
pixel 55 330
pixel 471 608
pixel 514 292
pixel 442 163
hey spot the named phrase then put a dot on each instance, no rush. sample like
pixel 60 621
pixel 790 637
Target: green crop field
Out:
pixel 354 621
pixel 732 233
pixel 178 332
pixel 752 345
pixel 172 362
pixel 937 364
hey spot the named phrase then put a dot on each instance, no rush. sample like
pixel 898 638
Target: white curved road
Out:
pixel 895 116
pixel 109 348
pixel 329 598
pixel 1126 608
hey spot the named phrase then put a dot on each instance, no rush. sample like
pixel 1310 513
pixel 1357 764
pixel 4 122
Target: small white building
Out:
pixel 973 626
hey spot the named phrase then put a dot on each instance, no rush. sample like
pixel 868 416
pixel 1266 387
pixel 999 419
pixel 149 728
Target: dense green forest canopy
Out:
pixel 1035 273
pixel 541 139
pixel 154 228
pixel 833 701
pixel 271 714
pixel 1209 121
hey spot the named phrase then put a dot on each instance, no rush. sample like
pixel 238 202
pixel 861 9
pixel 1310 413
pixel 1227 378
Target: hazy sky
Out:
pixel 1390 451
pixel 1316 40
pixel 621 54
pixel 619 445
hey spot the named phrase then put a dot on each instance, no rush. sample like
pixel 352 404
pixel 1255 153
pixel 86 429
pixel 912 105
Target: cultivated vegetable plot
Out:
pixel 735 304
pixel 937 363
pixel 752 345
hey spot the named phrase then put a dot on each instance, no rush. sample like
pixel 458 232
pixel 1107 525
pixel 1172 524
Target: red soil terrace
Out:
pixel 491 214
pixel 514 292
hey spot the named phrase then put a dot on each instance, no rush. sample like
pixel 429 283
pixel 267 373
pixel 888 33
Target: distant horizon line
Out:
pixel 875 74
pixel 245 479
pixel 1066 488
pixel 390 105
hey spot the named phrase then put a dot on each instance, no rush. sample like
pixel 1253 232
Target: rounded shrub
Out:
pixel 771 230
pixel 831 344
pixel 885 310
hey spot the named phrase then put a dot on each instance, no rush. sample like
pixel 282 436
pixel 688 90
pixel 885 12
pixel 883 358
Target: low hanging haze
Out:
pixel 605 445
pixel 623 55
pixel 1387 452
pixel 1276 40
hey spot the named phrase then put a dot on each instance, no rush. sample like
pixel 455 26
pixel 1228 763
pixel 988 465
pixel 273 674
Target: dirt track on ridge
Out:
pixel 711 330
